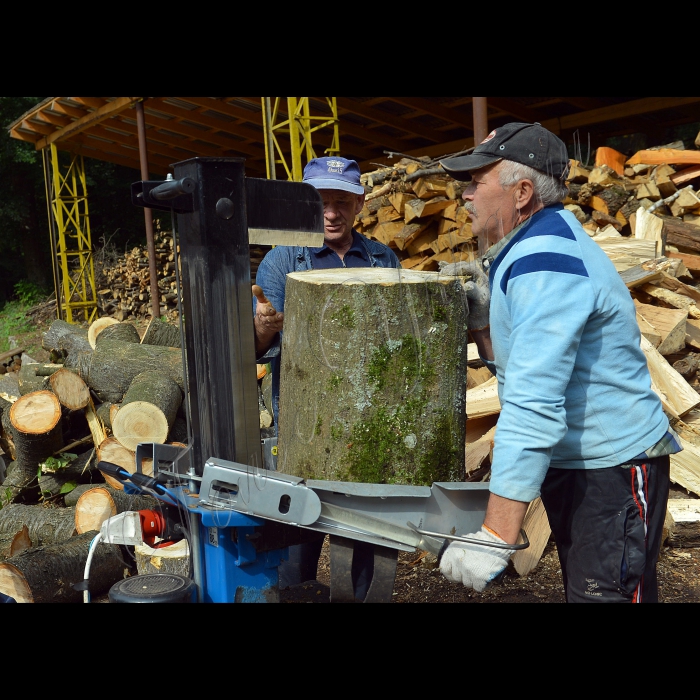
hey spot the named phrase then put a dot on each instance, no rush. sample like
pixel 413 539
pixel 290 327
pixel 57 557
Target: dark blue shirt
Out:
pixel 324 258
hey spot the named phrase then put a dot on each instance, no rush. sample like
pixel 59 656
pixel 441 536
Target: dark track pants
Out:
pixel 607 525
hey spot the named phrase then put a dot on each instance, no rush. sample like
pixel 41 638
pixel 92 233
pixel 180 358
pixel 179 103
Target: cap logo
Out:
pixel 335 166
pixel 490 136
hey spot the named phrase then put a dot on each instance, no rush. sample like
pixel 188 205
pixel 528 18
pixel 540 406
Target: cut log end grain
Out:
pixel 36 413
pixel 70 389
pixel 111 450
pixel 98 326
pixel 140 421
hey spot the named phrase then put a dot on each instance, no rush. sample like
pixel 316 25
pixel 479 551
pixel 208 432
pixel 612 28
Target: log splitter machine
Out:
pixel 222 491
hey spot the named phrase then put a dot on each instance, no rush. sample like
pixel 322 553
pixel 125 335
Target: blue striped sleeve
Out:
pixel 544 262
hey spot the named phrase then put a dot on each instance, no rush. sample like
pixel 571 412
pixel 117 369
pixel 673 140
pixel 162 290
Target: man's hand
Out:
pixel 267 321
pixel 473 565
pixel 477 290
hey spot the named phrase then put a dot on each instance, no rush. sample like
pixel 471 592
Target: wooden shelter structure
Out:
pixel 149 134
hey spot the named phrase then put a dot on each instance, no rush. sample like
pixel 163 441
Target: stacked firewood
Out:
pixel 417 210
pixel 124 287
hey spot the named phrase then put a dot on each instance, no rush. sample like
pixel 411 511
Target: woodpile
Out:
pixel 124 292
pixel 105 391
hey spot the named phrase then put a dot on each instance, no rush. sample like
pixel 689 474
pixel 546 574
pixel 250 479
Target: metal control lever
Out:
pixel 469 540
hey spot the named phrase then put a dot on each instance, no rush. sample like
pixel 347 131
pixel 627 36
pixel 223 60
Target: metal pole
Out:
pixel 269 139
pixel 143 157
pixel 481 129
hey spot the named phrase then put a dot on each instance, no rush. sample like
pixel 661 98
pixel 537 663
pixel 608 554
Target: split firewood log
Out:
pixel 148 410
pixel 35 426
pixel 97 326
pixel 47 574
pixel 97 505
pixel 45 525
pixel 162 333
pixel 70 389
pixel 12 545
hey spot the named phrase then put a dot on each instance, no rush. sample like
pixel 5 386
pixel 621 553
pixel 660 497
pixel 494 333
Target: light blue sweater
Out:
pixel 573 382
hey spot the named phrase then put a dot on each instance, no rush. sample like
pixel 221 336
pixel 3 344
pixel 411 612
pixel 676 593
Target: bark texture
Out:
pixel 97 505
pixel 44 525
pixel 373 378
pixel 162 333
pixel 47 574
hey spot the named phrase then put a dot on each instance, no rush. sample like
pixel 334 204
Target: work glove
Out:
pixel 477 290
pixel 473 565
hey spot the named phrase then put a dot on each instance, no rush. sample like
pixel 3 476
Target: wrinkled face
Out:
pixel 491 208
pixel 339 211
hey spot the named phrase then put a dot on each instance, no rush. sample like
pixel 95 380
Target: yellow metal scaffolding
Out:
pixel 69 224
pixel 299 124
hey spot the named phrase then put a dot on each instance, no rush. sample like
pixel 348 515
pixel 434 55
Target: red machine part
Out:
pixel 152 526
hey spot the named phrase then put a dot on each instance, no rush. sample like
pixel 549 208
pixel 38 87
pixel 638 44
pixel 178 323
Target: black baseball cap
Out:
pixel 529 144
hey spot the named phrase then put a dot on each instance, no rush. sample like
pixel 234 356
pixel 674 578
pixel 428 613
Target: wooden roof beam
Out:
pixel 90 119
pixel 618 111
pixel 514 109
pixel 436 110
pixel 378 115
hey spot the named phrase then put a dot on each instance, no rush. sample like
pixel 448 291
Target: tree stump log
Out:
pixel 28 379
pixel 98 504
pixel 111 450
pixel 12 545
pixel 123 332
pixel 6 442
pixel 97 326
pixel 45 525
pixel 162 333
pixel 148 410
pixel 47 574
pixel 174 559
pixel 35 427
pixel 70 499
pixel 70 389
pixel 64 338
pixel 373 377
pixel 111 368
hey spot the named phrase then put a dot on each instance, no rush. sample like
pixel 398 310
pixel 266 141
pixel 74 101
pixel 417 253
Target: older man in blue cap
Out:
pixel 338 182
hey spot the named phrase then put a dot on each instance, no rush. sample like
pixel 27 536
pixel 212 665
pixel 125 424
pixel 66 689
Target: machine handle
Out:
pixel 114 470
pixel 173 188
pixel 469 540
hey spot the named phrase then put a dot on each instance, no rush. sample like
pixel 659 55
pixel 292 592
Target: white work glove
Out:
pixel 477 290
pixel 473 565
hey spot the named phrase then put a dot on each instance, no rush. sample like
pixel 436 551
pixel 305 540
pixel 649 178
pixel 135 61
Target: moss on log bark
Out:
pixel 373 377
pixel 47 574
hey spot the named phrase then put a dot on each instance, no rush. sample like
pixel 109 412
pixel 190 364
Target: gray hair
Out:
pixel 548 189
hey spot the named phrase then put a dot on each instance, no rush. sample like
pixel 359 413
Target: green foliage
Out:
pixel 13 321
pixel 54 464
pixel 68 487
pixel 5 497
pixel 29 293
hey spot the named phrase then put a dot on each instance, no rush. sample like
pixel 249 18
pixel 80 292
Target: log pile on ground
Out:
pixel 645 214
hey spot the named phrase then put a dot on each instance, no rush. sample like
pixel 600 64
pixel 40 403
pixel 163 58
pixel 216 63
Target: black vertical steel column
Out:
pixel 479 113
pixel 218 314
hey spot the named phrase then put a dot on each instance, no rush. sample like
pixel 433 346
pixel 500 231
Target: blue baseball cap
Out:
pixel 334 173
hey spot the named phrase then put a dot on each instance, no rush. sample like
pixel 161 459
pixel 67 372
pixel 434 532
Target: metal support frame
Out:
pixel 300 125
pixel 480 115
pixel 69 227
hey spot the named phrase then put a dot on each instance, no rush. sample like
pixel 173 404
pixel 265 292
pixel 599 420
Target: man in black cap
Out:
pixel 338 182
pixel 579 422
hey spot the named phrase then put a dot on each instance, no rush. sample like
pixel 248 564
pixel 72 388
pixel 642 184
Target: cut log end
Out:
pixel 140 421
pixel 36 413
pixel 70 389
